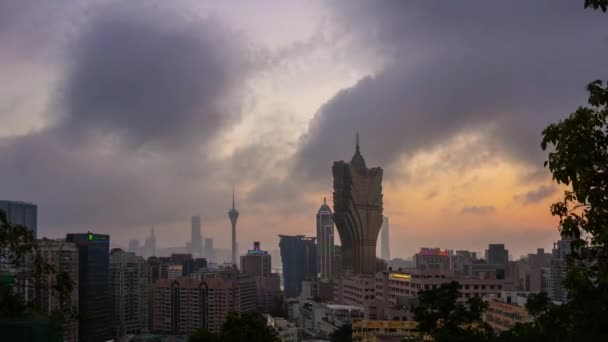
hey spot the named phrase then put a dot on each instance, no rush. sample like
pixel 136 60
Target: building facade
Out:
pixel 129 292
pixel 22 213
pixel 94 299
pixel 325 242
pixel 432 260
pixel 63 256
pixel 386 246
pixel 357 212
pixel 558 270
pixel 299 257
pixel 179 306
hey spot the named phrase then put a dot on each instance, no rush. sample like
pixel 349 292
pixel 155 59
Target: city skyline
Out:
pixel 272 108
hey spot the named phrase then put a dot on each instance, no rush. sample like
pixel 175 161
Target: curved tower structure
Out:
pixel 357 211
pixel 233 214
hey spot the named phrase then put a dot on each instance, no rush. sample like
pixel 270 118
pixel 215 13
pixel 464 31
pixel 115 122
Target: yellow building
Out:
pixel 385 331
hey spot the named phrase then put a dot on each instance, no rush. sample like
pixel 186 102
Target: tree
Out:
pixel 248 327
pixel 203 335
pixel 343 334
pixel 441 317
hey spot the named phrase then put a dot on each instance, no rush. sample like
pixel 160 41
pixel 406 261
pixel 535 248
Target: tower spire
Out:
pixel 233 196
pixel 357 141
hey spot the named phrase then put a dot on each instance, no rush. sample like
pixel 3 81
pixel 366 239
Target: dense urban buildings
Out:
pixel 432 260
pixel 385 251
pixel 25 214
pixel 256 262
pixel 196 241
pixel 94 300
pixel 233 214
pixel 299 257
pixel 325 241
pixel 63 256
pixel 357 211
pixel 506 310
pixel 129 292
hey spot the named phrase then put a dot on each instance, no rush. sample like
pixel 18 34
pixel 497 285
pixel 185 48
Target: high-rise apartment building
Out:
pixel 256 262
pixel 129 292
pixel 63 256
pixel 325 242
pixel 558 269
pixel 299 257
pixel 358 211
pixel 233 214
pixel 386 247
pixel 93 286
pixel 196 241
pixel 25 214
pixel 497 254
pixel 179 306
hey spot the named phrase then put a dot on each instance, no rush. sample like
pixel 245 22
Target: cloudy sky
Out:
pixel 116 116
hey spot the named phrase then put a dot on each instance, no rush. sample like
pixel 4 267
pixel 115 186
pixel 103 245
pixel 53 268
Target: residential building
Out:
pixel 509 309
pixel 63 256
pixel 558 270
pixel 94 301
pixel 497 254
pixel 322 319
pixel 358 290
pixel 299 257
pixel 268 292
pixel 256 262
pixel 284 330
pixel 357 194
pixel 325 241
pixel 179 306
pixel 129 292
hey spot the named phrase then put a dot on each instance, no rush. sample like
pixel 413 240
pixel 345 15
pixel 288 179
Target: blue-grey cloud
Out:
pixel 537 195
pixel 478 210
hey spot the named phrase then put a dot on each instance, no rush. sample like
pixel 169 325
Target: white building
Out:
pixel 284 330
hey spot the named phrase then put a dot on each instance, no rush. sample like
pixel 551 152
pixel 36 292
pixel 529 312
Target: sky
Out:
pixel 117 116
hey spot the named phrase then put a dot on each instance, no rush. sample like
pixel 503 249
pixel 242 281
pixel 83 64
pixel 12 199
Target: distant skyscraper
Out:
pixel 299 257
pixel 22 213
pixel 256 262
pixel 233 214
pixel 134 247
pixel 129 292
pixel 325 241
pixel 93 287
pixel 386 247
pixel 358 211
pixel 150 245
pixel 196 241
pixel 209 251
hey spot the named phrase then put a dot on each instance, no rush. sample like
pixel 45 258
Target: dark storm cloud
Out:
pixel 144 79
pixel 146 89
pixel 478 210
pixel 504 69
pixel 536 195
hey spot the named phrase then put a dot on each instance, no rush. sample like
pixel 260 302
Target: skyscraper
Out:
pixel 256 262
pixel 209 251
pixel 25 214
pixel 150 245
pixel 129 292
pixel 233 214
pixel 299 256
pixel 358 211
pixel 386 247
pixel 325 241
pixel 196 241
pixel 93 287
pixel 558 269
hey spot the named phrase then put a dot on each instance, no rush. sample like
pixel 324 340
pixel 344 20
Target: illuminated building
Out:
pixel 384 330
pixel 357 211
pixel 256 262
pixel 432 260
